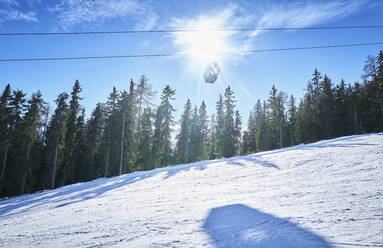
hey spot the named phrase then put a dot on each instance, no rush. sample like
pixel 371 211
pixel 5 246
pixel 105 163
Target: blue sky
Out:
pixel 250 76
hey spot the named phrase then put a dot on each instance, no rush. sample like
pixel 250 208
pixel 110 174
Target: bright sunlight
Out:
pixel 205 46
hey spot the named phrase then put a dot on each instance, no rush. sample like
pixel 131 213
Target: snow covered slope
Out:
pixel 326 194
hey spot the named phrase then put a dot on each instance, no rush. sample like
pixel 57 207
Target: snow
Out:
pixel 326 194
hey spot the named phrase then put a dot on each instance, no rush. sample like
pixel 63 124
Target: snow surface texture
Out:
pixel 326 194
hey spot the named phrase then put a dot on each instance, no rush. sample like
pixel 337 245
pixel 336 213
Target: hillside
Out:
pixel 326 194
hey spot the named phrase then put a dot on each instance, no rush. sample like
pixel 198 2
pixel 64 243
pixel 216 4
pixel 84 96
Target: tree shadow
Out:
pixel 80 192
pixel 71 194
pixel 238 225
pixel 252 160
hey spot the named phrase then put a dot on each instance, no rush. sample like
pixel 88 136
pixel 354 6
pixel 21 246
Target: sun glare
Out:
pixel 205 46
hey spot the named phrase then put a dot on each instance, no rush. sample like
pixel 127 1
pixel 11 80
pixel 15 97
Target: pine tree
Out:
pixel 212 138
pixel 229 135
pixel 130 136
pixel 292 121
pixel 81 171
pixel 250 135
pixel 31 128
pixel 220 122
pixel 195 137
pixel 245 143
pixel 13 155
pixel 144 141
pixel 144 94
pixel 55 135
pixel 163 126
pixel 5 121
pixel 262 128
pixel 94 132
pixel 325 108
pixel 204 131
pixel 341 113
pixel 237 132
pixel 70 135
pixel 183 137
pixel 111 134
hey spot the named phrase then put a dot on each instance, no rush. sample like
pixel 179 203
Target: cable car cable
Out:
pixel 184 54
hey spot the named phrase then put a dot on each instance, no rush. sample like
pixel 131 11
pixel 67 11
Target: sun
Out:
pixel 205 44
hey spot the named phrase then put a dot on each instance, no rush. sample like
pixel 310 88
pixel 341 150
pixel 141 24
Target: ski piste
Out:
pixel 325 194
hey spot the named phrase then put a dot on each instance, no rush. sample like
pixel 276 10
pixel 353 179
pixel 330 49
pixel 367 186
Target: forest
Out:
pixel 43 148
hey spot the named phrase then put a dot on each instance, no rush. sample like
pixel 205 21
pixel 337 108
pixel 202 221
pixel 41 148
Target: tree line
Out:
pixel 43 149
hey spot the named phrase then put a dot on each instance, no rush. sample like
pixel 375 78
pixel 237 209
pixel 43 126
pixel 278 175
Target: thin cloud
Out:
pixel 307 13
pixel 88 12
pixel 9 11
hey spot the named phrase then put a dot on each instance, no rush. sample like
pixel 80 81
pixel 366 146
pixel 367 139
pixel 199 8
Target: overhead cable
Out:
pixel 184 54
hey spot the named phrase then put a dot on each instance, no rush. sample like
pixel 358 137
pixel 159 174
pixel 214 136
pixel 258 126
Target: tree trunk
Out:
pixel 280 136
pixel 4 162
pixel 26 169
pixel 122 143
pixel 380 106
pixel 107 161
pixel 55 163
pixel 356 120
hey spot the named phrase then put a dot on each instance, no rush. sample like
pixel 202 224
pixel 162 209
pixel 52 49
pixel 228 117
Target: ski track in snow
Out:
pixel 326 194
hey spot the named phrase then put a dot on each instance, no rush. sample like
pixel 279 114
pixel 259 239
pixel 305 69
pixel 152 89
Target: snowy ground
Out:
pixel 326 194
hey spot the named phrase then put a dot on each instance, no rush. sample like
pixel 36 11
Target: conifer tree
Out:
pixel 220 122
pixel 325 107
pixel 130 136
pixel 183 137
pixel 237 132
pixel 31 129
pixel 262 129
pixel 144 141
pixel 250 136
pixel 292 121
pixel 163 127
pixel 229 133
pixel 94 132
pixel 56 134
pixel 111 134
pixel 204 131
pixel 5 120
pixel 212 138
pixel 144 95
pixel 81 171
pixel 70 135
pixel 195 137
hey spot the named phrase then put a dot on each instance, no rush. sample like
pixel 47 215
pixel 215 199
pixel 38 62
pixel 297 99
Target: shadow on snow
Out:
pixel 238 225
pixel 70 194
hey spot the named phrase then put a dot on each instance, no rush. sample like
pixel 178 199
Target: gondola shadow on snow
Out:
pixel 238 225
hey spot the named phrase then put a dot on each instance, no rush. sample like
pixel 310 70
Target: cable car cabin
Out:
pixel 211 73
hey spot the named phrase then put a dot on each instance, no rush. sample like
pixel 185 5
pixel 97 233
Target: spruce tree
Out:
pixel 5 121
pixel 144 95
pixel 70 135
pixel 237 132
pixel 112 134
pixel 212 138
pixel 195 137
pixel 292 121
pixel 144 141
pixel 183 137
pixel 94 132
pixel 162 150
pixel 55 136
pixel 229 134
pixel 204 131
pixel 220 122
pixel 31 131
